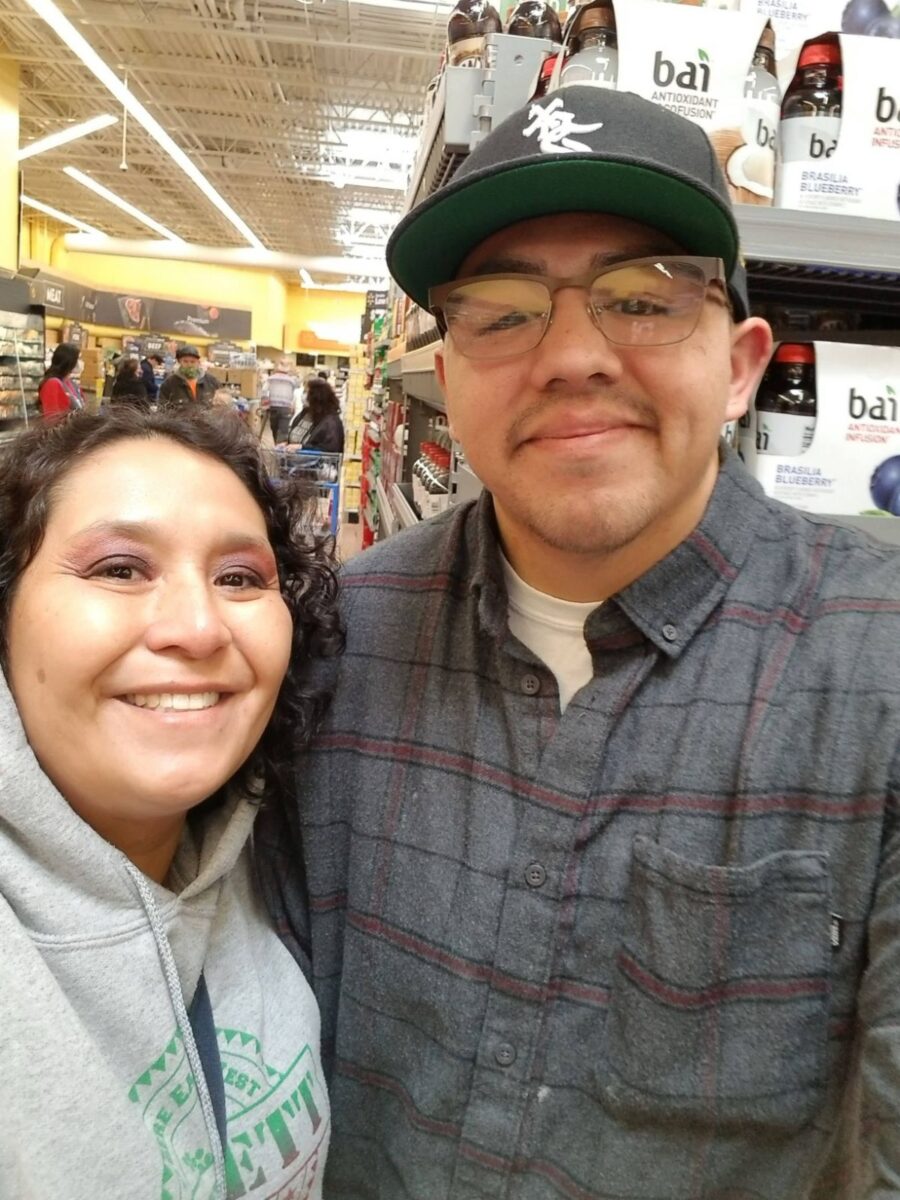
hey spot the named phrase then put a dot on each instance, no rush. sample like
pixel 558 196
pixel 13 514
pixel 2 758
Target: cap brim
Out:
pixel 430 243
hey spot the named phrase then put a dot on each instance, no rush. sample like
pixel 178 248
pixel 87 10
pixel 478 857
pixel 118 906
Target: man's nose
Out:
pixel 574 350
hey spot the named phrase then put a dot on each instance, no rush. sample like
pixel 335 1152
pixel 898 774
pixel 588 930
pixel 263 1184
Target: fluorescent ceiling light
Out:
pixel 379 217
pixel 60 216
pixel 306 279
pixel 119 202
pixel 419 6
pixel 52 140
pixel 373 146
pixel 341 177
pixel 74 41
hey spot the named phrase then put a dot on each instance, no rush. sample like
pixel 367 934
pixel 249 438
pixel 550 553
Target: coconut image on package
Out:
pixel 717 68
pixel 850 465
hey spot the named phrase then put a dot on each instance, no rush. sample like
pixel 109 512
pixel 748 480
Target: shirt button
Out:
pixel 530 685
pixel 670 633
pixel 505 1054
pixel 535 875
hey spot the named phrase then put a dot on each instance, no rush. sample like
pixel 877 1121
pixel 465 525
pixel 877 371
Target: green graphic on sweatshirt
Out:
pixel 274 1122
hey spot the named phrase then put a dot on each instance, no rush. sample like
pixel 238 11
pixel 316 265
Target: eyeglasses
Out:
pixel 642 302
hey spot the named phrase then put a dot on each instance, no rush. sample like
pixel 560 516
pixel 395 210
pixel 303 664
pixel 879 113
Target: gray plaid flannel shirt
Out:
pixel 648 949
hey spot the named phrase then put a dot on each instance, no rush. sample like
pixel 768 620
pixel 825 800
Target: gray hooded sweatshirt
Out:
pixel 103 1092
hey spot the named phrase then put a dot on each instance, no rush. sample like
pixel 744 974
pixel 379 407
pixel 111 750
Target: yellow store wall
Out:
pixel 284 314
pixel 321 320
pixel 205 283
pixel 9 165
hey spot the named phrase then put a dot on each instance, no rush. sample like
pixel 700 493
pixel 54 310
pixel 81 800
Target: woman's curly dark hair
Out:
pixel 32 469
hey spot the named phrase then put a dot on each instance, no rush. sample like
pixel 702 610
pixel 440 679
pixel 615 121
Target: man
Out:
pixel 149 366
pixel 278 399
pixel 188 383
pixel 596 857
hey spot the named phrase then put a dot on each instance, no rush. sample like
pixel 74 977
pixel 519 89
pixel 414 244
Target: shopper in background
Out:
pixel 278 399
pixel 597 854
pixel 129 386
pixel 318 425
pixel 155 681
pixel 188 384
pixel 58 392
pixel 149 366
pixel 111 364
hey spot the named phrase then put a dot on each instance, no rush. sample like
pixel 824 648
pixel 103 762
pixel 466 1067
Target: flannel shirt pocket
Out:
pixel 719 1012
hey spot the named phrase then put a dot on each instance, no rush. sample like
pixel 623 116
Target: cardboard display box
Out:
pixel 852 465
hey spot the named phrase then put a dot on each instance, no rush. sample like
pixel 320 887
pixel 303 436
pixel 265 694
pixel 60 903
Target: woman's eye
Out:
pixel 241 579
pixel 125 572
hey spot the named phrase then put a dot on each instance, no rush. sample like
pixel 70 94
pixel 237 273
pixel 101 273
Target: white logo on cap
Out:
pixel 554 125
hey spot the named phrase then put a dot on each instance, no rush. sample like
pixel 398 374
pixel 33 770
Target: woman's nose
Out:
pixel 188 617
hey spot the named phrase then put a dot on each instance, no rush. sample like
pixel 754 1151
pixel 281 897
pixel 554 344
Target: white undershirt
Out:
pixel 553 629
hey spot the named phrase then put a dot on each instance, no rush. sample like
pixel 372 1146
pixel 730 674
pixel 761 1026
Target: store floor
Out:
pixel 349 540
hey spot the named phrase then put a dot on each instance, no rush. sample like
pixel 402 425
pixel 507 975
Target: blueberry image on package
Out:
pixel 885 485
pixel 860 14
pixel 885 26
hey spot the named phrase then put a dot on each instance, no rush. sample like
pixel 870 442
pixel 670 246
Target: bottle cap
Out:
pixel 547 70
pixel 818 54
pixel 795 352
pixel 595 16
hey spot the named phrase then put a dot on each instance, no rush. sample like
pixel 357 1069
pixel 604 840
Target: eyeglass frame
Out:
pixel 713 272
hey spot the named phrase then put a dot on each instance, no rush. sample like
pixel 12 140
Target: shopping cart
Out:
pixel 322 471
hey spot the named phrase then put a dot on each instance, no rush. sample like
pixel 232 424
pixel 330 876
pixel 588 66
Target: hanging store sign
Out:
pixel 122 310
pixel 75 334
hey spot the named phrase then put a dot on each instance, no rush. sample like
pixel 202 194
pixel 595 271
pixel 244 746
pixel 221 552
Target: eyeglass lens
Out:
pixel 646 304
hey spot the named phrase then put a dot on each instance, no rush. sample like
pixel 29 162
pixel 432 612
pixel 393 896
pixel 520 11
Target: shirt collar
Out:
pixel 672 600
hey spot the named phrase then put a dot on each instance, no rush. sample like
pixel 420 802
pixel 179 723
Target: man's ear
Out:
pixel 751 349
pixel 440 373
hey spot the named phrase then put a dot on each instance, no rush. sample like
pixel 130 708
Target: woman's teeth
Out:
pixel 180 701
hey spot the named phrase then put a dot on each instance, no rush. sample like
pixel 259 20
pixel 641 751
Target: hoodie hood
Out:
pixel 100 965
pixel 51 857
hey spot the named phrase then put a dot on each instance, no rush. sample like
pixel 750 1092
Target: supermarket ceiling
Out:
pixel 302 115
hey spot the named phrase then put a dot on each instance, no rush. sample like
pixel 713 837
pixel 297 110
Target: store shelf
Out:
pixel 470 102
pixel 828 241
pixel 388 523
pixel 400 497
pixel 419 379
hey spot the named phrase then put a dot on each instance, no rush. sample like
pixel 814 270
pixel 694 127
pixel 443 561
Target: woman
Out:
pixel 157 1039
pixel 318 425
pixel 129 386
pixel 58 392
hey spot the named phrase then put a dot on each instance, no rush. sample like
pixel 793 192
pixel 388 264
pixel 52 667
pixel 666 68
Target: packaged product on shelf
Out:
pixel 786 401
pixel 698 62
pixel 840 141
pixel 592 56
pixel 811 112
pixel 534 18
pixel 722 5
pixel 799 20
pixel 470 23
pixel 756 160
pixel 851 463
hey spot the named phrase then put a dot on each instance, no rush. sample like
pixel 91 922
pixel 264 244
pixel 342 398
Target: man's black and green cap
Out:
pixel 578 149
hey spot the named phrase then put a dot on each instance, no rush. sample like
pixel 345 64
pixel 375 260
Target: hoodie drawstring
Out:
pixel 184 1024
